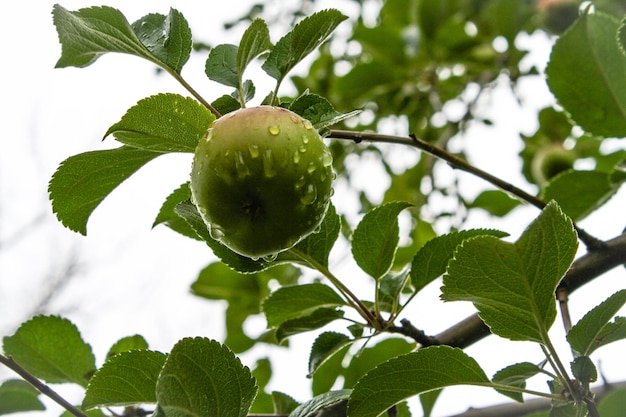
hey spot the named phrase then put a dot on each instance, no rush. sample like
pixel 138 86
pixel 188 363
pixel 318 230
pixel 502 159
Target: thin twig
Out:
pixel 41 387
pixel 590 241
pixel 562 297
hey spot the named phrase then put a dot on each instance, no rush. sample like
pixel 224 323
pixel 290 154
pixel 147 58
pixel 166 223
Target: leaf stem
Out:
pixel 40 386
pixel 349 295
pixel 189 88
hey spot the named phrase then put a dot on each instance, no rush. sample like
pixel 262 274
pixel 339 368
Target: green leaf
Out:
pixel 283 403
pixel 262 373
pixel 621 36
pixel 82 181
pixel 512 285
pixel 88 33
pixel 373 356
pixel 568 187
pixel 318 110
pixel 52 349
pixel 495 202
pixel 168 216
pixel 305 37
pixel 593 89
pixel 430 262
pixel 163 123
pixel 320 402
pixel 324 347
pixel 126 379
pixel 375 239
pixel 287 303
pixel 128 343
pixel 390 288
pixel 613 404
pixel 18 396
pixel 167 37
pixel 516 376
pixel 317 319
pixel 412 374
pixel 254 42
pixel 226 104
pixel 319 244
pixel 221 65
pixel 594 330
pixel 202 377
pixel 428 401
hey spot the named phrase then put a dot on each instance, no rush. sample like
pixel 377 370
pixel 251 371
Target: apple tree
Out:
pixel 272 170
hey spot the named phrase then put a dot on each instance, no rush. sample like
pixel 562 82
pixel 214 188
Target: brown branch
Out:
pixel 530 406
pixel 41 387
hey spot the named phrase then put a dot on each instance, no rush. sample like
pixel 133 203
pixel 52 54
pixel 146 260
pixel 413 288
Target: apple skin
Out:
pixel 550 161
pixel 261 180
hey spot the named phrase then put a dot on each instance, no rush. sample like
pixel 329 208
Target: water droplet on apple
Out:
pixel 302 149
pixel 327 158
pixel 311 167
pixel 309 196
pixel 274 130
pixel 216 231
pixel 308 125
pixel 268 164
pixel 271 257
pixel 305 139
pixel 300 183
pixel 296 157
pixel 254 150
pixel 240 165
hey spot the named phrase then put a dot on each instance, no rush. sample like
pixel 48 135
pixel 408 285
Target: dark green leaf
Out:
pixel 584 370
pixel 202 377
pixel 594 329
pixel 218 282
pixel 254 42
pixel 319 402
pixel 52 349
pixel 412 374
pixel 513 285
pixel 221 65
pixel 324 347
pixel 168 216
pixel 262 372
pixel 167 37
pixel 287 303
pixel 283 403
pixel 390 288
pixel 126 379
pixel 128 343
pixel 226 104
pixel 431 260
pixel 305 37
pixel 593 89
pixel 318 110
pixel 613 404
pixel 568 187
pixel 428 400
pixel 163 123
pixel 516 376
pixel 88 33
pixel 375 239
pixel 621 36
pixel 317 319
pixel 82 181
pixel 18 396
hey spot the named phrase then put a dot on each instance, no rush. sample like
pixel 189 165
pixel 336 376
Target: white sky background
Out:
pixel 134 279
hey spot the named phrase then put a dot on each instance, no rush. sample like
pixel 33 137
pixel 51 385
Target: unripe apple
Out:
pixel 262 180
pixel 550 161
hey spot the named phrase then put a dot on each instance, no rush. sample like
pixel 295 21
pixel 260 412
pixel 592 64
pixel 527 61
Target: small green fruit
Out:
pixel 262 180
pixel 550 161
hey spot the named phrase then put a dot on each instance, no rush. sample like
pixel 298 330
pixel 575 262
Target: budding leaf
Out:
pixel 512 284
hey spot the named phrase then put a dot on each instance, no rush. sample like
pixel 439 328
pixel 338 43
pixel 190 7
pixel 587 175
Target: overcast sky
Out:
pixel 130 278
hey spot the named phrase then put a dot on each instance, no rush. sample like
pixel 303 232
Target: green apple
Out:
pixel 550 161
pixel 261 180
